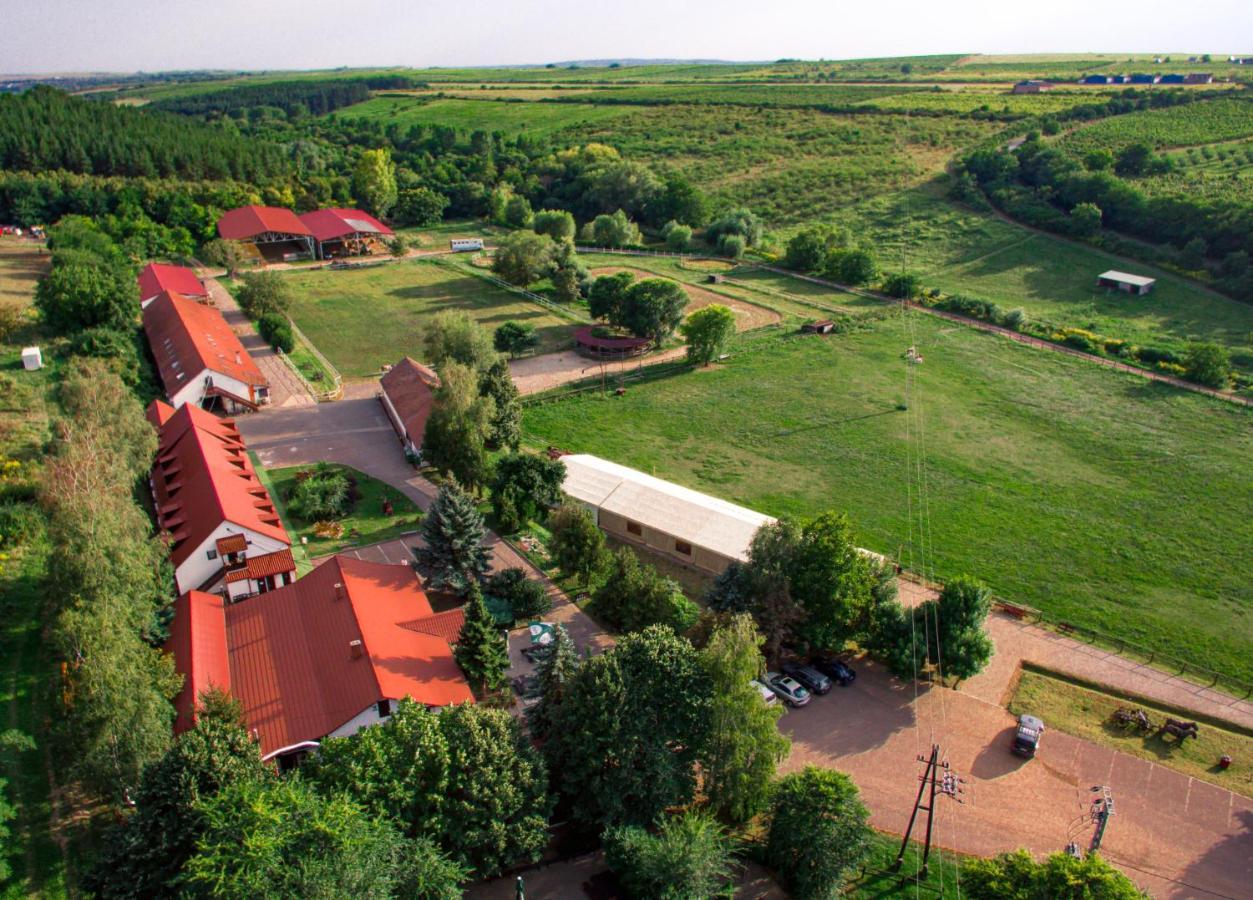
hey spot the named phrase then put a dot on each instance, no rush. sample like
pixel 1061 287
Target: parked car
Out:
pixel 767 695
pixel 836 669
pixel 808 676
pixel 1027 735
pixel 791 692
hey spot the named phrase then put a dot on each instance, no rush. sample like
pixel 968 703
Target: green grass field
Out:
pixel 1176 126
pixel 364 319
pixel 1098 497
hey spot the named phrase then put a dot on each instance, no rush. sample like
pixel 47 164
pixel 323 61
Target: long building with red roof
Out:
pixel 210 501
pixel 157 278
pixel 408 395
pixel 344 232
pixel 274 231
pixel 325 656
pixel 200 359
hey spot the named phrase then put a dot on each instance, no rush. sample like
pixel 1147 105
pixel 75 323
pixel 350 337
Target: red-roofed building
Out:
pixel 210 501
pixel 277 233
pixel 345 232
pixel 158 278
pixel 407 397
pixel 325 656
pixel 200 359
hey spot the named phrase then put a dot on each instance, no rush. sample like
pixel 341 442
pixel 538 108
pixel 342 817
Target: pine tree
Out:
pixel 506 422
pixel 453 531
pixel 554 671
pixel 481 649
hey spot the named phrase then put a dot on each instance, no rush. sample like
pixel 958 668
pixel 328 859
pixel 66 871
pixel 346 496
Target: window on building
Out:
pixel 634 528
pixel 384 708
pixel 683 547
pixel 213 554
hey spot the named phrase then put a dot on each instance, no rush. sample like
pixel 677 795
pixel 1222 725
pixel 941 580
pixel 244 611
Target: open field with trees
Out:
pixel 329 307
pixel 1063 486
pixel 537 119
pixel 1178 126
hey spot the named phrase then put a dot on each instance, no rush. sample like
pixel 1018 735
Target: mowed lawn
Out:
pixel 364 319
pixel 1055 282
pixel 1099 497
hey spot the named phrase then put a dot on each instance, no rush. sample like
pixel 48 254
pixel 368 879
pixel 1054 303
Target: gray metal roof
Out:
pixel 1125 278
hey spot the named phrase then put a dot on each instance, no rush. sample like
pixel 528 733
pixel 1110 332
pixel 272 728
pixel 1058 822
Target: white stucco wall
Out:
pixel 194 389
pixel 198 568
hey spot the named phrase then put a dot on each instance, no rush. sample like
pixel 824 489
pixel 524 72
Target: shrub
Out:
pixel 325 493
pixel 676 236
pixel 277 332
pixel 1116 347
pixel 1015 319
pixel 1079 339
pixel 527 598
pixel 731 245
pixel 1207 364
pixel 264 292
pixel 1153 355
pixel 689 856
pixel 902 284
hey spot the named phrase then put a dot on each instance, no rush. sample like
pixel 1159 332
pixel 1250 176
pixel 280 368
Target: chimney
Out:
pixel 339 590
pixel 355 648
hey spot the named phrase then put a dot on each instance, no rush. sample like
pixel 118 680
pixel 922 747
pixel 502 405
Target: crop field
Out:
pixel 536 119
pixel 793 95
pixel 960 102
pixel 364 319
pixel 1202 122
pixel 1210 172
pixel 1098 497
pixel 788 165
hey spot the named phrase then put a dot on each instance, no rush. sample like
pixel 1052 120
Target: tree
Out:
pixel 453 531
pixel 295 843
pixel 742 222
pixel 518 212
pixel 515 338
pixel 457 430
pixel 690 856
pixel 523 257
pixel 634 595
pixel 1085 219
pixel 554 673
pixel 1098 160
pixel 568 273
pixel 631 726
pixel 83 291
pixel 505 424
pixel 818 832
pixel 577 545
pixel 807 250
pixel 707 332
pixel 530 483
pixel 453 336
pixel 419 206
pixel 1016 876
pixel 831 580
pixel 745 745
pixel 607 297
pixel 1133 160
pixel 677 237
pixel 1207 364
pixel 958 644
pixel 558 224
pixel 1192 255
pixel 653 308
pixel 276 330
pixel 852 267
pixel 614 230
pixel 732 245
pixel 527 597
pixel 264 293
pixel 680 201
pixel 374 180
pixel 621 185
pixel 145 854
pixel 481 649
pixel 771 554
pixel 905 285
pixel 228 254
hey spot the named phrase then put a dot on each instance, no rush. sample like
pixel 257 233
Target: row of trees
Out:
pixel 650 308
pixel 830 251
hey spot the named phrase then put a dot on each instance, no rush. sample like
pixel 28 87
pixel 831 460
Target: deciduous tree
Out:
pixel 374 180
pixel 577 545
pixel 1016 876
pixel 818 832
pixel 707 332
pixel 1207 364
pixel 558 224
pixel 607 297
pixel 653 308
pixel 529 482
pixel 264 293
pixel 523 257
pixel 689 856
pixel 453 336
pixel 419 206
pixel 515 338
pixel 457 430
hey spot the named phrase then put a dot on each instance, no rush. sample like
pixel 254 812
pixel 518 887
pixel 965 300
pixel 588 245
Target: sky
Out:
pixel 44 36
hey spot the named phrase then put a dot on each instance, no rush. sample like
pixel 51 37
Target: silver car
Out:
pixel 790 690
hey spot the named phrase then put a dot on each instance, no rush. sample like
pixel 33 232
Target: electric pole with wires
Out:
pixel 936 777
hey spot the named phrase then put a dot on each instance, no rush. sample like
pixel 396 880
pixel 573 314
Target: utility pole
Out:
pixel 935 776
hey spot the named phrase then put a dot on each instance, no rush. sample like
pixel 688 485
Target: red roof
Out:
pixel 250 221
pixel 329 224
pixel 189 338
pixel 290 653
pixel 203 477
pixel 263 566
pixel 198 642
pixel 158 413
pixel 157 278
pixel 410 387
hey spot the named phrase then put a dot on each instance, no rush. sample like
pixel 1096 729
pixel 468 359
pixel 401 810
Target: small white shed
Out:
pixel 32 359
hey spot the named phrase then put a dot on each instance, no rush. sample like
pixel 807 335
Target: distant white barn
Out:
pixel 1122 281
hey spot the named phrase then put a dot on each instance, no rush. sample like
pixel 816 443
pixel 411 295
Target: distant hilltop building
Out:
pixel 1032 87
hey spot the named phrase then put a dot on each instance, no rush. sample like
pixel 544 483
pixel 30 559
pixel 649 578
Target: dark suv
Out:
pixel 808 676
pixel 835 669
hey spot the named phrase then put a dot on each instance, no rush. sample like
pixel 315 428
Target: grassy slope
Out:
pixel 1086 714
pixel 1086 493
pixel 366 318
